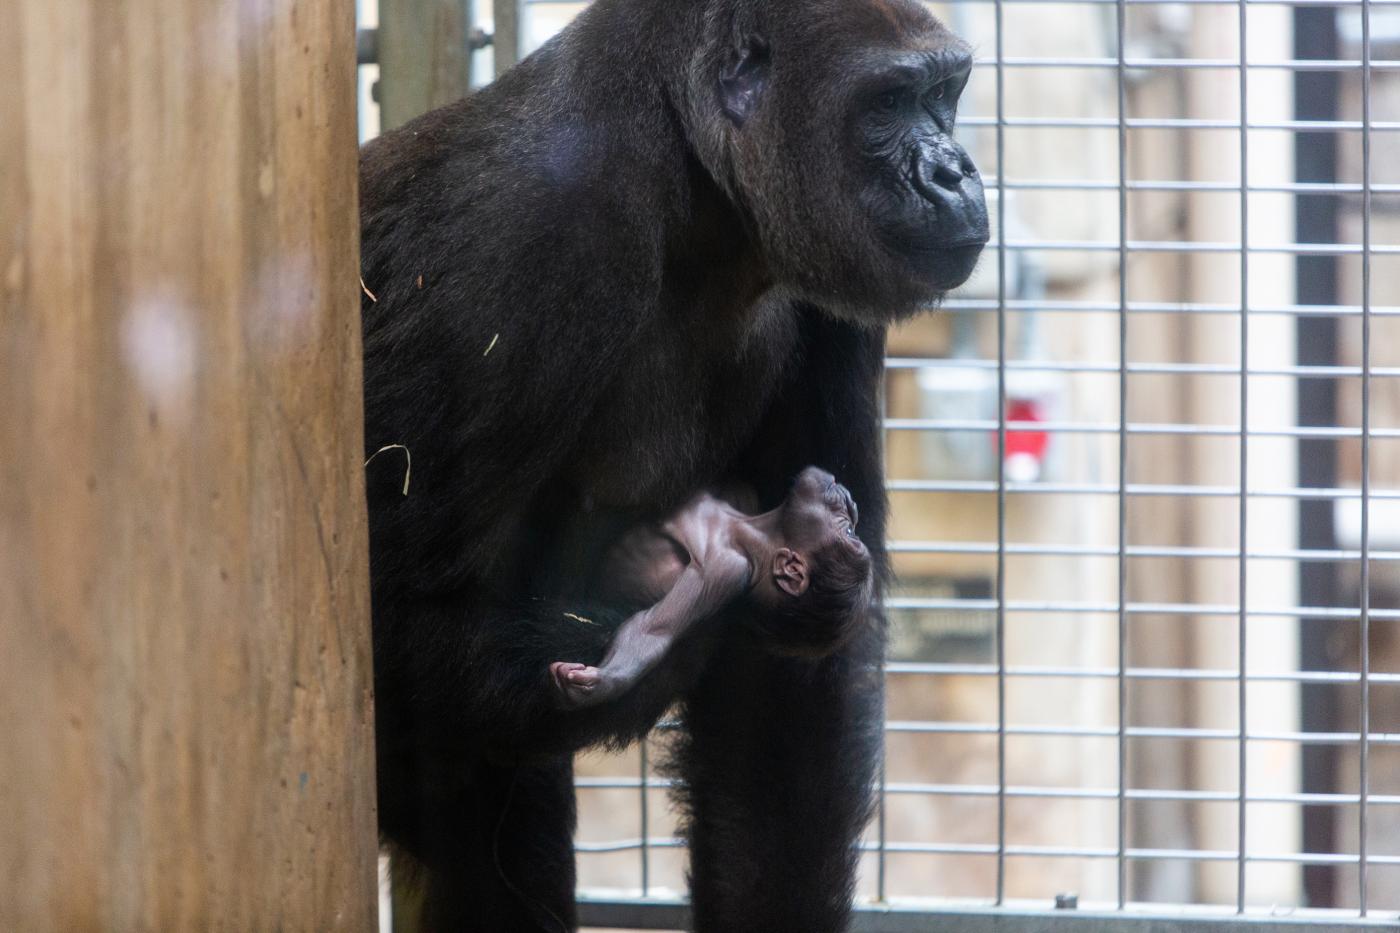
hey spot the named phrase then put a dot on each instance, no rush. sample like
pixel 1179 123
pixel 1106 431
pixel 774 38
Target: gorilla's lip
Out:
pixel 938 198
pixel 970 241
pixel 978 240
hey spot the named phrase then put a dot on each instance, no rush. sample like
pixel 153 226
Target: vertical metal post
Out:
pixel 1365 660
pixel 645 847
pixel 881 892
pixel 1001 459
pixel 1316 96
pixel 1242 685
pixel 507 16
pixel 425 54
pixel 1122 458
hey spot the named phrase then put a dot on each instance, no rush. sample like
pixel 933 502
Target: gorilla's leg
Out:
pixel 780 760
pixel 501 853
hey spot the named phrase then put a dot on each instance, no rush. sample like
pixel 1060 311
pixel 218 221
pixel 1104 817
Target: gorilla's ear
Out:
pixel 790 572
pixel 743 80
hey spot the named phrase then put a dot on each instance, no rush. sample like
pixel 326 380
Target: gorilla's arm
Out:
pixel 644 640
pixel 781 753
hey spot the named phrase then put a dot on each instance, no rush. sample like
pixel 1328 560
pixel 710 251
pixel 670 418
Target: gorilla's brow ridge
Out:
pixel 944 62
pixel 923 65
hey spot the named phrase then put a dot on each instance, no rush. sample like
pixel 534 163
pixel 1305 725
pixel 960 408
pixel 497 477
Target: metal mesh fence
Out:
pixel 1143 644
pixel 1144 473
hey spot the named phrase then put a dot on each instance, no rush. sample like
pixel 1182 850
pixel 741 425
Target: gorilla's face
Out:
pixel 924 193
pixel 841 148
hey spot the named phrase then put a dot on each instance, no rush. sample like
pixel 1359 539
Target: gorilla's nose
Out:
pixel 947 175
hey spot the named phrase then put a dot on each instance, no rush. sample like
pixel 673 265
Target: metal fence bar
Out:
pixel 1107 794
pixel 1183 369
pixel 1136 550
pixel 1111 793
pixel 1196 64
pixel 508 33
pixel 1242 815
pixel 941 669
pixel 672 914
pixel 1071 427
pixel 1195 246
pixel 1000 582
pixel 1184 123
pixel 1168 307
pixel 1219 187
pixel 1196 856
pixel 642 783
pixel 880 811
pixel 1144 489
pixel 1365 627
pixel 1121 19
pixel 1338 613
pixel 991 849
pixel 1139 732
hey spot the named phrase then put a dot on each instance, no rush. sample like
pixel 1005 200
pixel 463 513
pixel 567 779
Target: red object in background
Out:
pixel 1025 449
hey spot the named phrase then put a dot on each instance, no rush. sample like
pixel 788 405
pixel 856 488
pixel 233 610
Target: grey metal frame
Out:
pixel 670 914
pixel 650 912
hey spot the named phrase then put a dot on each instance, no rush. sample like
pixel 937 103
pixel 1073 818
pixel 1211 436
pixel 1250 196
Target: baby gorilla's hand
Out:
pixel 579 684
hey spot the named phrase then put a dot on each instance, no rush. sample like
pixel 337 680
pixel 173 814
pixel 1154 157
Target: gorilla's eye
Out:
pixel 939 90
pixel 887 102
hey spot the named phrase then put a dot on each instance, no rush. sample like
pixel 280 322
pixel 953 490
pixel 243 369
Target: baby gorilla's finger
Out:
pixel 583 676
pixel 560 672
pixel 576 684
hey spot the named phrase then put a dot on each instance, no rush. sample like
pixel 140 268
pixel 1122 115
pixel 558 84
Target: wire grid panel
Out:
pixel 1142 473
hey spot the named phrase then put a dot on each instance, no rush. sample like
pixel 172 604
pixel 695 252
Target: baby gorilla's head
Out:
pixel 821 573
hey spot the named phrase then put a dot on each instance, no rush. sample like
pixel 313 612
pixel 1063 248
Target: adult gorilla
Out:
pixel 659 254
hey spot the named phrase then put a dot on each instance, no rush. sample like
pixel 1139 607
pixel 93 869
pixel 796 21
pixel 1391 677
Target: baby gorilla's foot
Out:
pixel 579 684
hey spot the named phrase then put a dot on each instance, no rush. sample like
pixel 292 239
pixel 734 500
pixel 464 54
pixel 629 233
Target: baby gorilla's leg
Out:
pixel 581 685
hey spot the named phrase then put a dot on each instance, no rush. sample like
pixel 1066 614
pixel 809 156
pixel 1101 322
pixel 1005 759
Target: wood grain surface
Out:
pixel 185 681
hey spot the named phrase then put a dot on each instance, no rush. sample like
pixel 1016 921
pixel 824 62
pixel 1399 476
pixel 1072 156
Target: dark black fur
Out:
pixel 657 255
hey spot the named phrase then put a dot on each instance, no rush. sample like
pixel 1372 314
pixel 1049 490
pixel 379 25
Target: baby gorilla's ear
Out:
pixel 790 572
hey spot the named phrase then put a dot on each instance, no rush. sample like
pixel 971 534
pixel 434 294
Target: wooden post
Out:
pixel 424 56
pixel 185 682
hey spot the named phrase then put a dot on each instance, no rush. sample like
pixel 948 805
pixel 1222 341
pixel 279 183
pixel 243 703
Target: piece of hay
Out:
pixel 492 344
pixel 408 458
pixel 580 618
pixel 420 280
pixel 367 291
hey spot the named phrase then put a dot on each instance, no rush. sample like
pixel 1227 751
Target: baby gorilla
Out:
pixel 802 560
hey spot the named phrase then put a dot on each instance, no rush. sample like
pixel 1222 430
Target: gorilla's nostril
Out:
pixel 968 169
pixel 947 176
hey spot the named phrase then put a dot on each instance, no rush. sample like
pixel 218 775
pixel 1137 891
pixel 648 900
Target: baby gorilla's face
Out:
pixel 817 511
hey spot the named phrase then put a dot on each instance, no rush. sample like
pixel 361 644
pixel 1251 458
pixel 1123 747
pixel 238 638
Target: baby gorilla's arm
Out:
pixel 643 640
